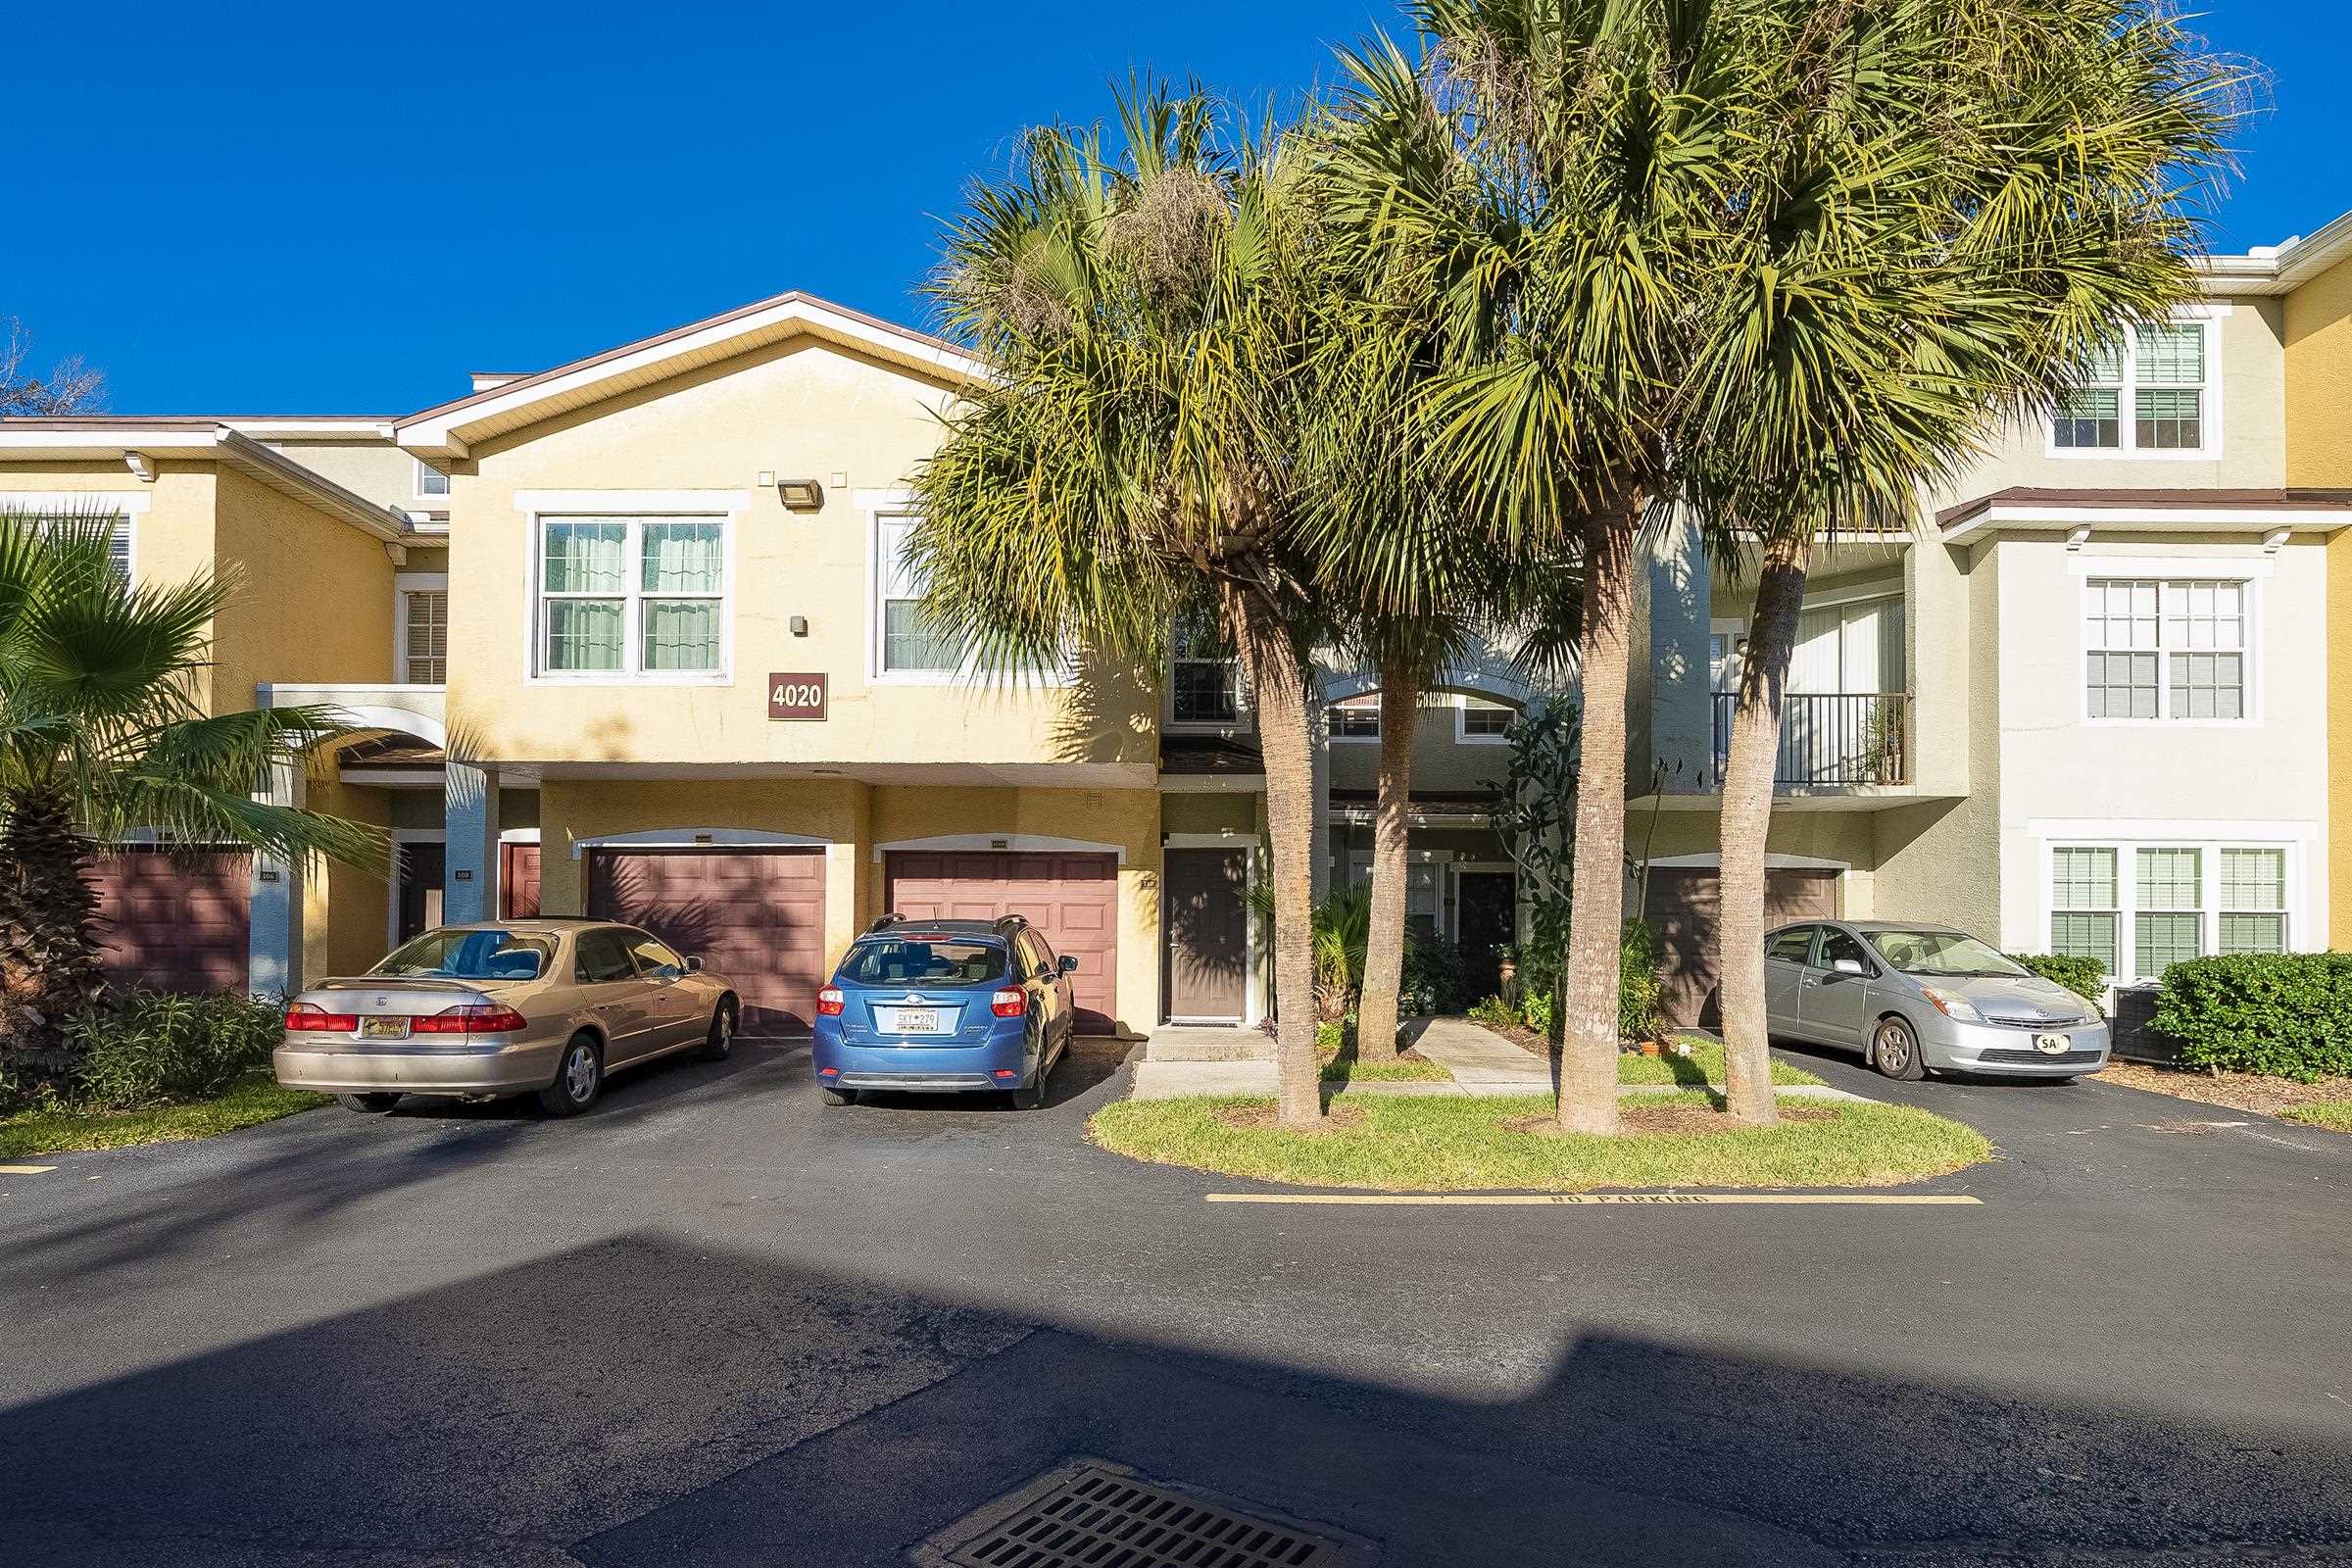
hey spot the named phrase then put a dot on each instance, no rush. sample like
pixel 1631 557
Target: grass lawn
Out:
pixel 52 1132
pixel 1702 1066
pixel 1445 1144
pixel 2333 1114
pixel 1337 1051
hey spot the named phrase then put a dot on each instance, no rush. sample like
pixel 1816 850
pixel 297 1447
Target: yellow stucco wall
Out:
pixel 2319 452
pixel 345 912
pixel 856 819
pixel 801 410
pixel 315 595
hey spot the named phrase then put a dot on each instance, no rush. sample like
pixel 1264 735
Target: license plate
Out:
pixel 2052 1044
pixel 384 1028
pixel 914 1020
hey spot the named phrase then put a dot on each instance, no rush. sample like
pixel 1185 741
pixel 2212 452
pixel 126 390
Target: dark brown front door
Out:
pixel 1683 907
pixel 1206 909
pixel 1487 919
pixel 422 868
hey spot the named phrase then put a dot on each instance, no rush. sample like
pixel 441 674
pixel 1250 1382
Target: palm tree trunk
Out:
pixel 1748 778
pixel 49 960
pixel 1383 951
pixel 1597 902
pixel 1277 679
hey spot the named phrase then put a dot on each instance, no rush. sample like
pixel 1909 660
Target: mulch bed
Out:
pixel 1338 1118
pixel 1669 1120
pixel 2239 1091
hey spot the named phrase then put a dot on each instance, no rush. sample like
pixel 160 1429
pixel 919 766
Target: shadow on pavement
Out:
pixel 659 1400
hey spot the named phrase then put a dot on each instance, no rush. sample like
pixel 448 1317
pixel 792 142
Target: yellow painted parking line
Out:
pixel 25 1170
pixel 1917 1199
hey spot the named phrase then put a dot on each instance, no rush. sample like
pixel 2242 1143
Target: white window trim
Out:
pixel 2209 319
pixel 2162 569
pixel 1254 978
pixel 879 507
pixel 1461 724
pixel 1330 709
pixel 404 583
pixel 125 507
pixel 633 596
pixel 1243 722
pixel 424 497
pixel 2294 842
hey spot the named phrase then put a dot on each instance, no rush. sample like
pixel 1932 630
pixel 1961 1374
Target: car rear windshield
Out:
pixel 1943 952
pixel 914 959
pixel 468 955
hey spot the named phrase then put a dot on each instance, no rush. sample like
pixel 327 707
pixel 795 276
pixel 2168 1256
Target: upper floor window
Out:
pixel 631 596
pixel 118 538
pixel 910 641
pixel 2166 648
pixel 425 636
pixel 2149 393
pixel 1477 719
pixel 431 483
pixel 1204 682
pixel 1357 719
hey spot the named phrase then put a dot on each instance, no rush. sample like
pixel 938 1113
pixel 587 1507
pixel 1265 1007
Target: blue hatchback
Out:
pixel 948 1006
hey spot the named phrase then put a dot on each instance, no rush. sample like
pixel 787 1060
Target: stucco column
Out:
pixel 469 809
pixel 1319 720
pixel 273 929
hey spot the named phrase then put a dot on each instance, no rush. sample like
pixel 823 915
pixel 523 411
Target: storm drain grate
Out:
pixel 1088 1514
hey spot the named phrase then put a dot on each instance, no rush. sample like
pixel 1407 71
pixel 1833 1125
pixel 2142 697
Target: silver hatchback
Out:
pixel 1914 998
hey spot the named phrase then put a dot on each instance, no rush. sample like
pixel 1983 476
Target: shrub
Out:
pixel 1433 980
pixel 1535 1010
pixel 1638 988
pixel 2283 1015
pixel 158 1047
pixel 1494 1011
pixel 2084 977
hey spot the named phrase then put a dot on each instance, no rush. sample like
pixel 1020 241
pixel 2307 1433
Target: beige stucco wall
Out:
pixel 801 411
pixel 345 910
pixel 857 820
pixel 1440 763
pixel 313 601
pixel 372 468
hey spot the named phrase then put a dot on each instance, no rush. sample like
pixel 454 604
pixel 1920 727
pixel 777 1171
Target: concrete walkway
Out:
pixel 1483 1064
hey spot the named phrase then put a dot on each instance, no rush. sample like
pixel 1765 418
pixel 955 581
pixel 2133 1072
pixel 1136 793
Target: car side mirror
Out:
pixel 1068 966
pixel 694 966
pixel 1848 966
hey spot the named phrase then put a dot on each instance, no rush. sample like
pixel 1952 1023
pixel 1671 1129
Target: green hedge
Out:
pixel 2283 1015
pixel 156 1047
pixel 2084 977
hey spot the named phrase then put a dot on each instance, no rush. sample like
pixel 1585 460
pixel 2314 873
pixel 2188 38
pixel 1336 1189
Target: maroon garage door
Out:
pixel 1683 903
pixel 755 916
pixel 174 927
pixel 1073 898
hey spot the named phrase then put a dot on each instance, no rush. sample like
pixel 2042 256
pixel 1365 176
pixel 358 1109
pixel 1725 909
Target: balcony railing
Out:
pixel 1832 738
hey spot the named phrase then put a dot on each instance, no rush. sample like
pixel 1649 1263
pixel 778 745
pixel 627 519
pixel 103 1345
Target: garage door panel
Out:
pixel 166 926
pixel 1684 908
pixel 1072 899
pixel 754 916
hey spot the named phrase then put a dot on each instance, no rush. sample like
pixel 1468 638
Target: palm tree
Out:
pixel 100 736
pixel 1559 162
pixel 1963 197
pixel 1143 315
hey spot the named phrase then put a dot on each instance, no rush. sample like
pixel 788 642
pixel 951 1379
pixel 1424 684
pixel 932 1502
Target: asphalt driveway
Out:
pixel 711 1322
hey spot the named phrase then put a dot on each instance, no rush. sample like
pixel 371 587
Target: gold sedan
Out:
pixel 543 1006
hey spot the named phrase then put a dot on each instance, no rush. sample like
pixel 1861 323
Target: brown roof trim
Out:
pixel 2185 499
pixel 789 296
pixel 175 422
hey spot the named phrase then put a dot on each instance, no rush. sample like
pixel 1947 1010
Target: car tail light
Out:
pixel 307 1018
pixel 1004 1072
pixel 1009 1004
pixel 828 1002
pixel 468 1020
pixel 828 1072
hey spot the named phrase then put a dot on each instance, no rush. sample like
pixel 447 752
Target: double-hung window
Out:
pixel 1479 722
pixel 2166 648
pixel 908 641
pixel 1204 685
pixel 631 596
pixel 432 486
pixel 2140 909
pixel 118 534
pixel 1356 719
pixel 425 636
pixel 2152 392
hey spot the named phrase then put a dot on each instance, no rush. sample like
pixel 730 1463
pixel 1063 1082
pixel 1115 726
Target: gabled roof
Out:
pixel 120 438
pixel 446 430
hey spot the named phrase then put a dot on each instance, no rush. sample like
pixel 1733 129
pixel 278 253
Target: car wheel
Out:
pixel 1894 1051
pixel 720 1043
pixel 579 1079
pixel 840 1097
pixel 369 1105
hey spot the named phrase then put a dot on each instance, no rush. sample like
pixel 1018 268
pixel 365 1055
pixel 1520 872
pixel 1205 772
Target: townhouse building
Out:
pixel 634 636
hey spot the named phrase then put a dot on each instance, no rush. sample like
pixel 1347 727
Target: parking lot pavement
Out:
pixel 714 1322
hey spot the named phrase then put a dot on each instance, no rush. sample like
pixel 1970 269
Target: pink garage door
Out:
pixel 755 916
pixel 174 927
pixel 1073 898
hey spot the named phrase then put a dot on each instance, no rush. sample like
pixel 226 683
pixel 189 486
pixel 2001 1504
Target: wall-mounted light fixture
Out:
pixel 800 625
pixel 801 495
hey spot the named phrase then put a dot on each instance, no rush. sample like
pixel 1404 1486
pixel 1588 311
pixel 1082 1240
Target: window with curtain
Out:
pixel 911 642
pixel 425 636
pixel 2170 649
pixel 2147 393
pixel 631 596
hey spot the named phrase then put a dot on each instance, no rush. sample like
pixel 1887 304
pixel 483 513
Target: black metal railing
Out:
pixel 1832 738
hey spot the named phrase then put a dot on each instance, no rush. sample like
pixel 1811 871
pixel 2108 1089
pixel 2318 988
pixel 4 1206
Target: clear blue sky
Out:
pixel 335 208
